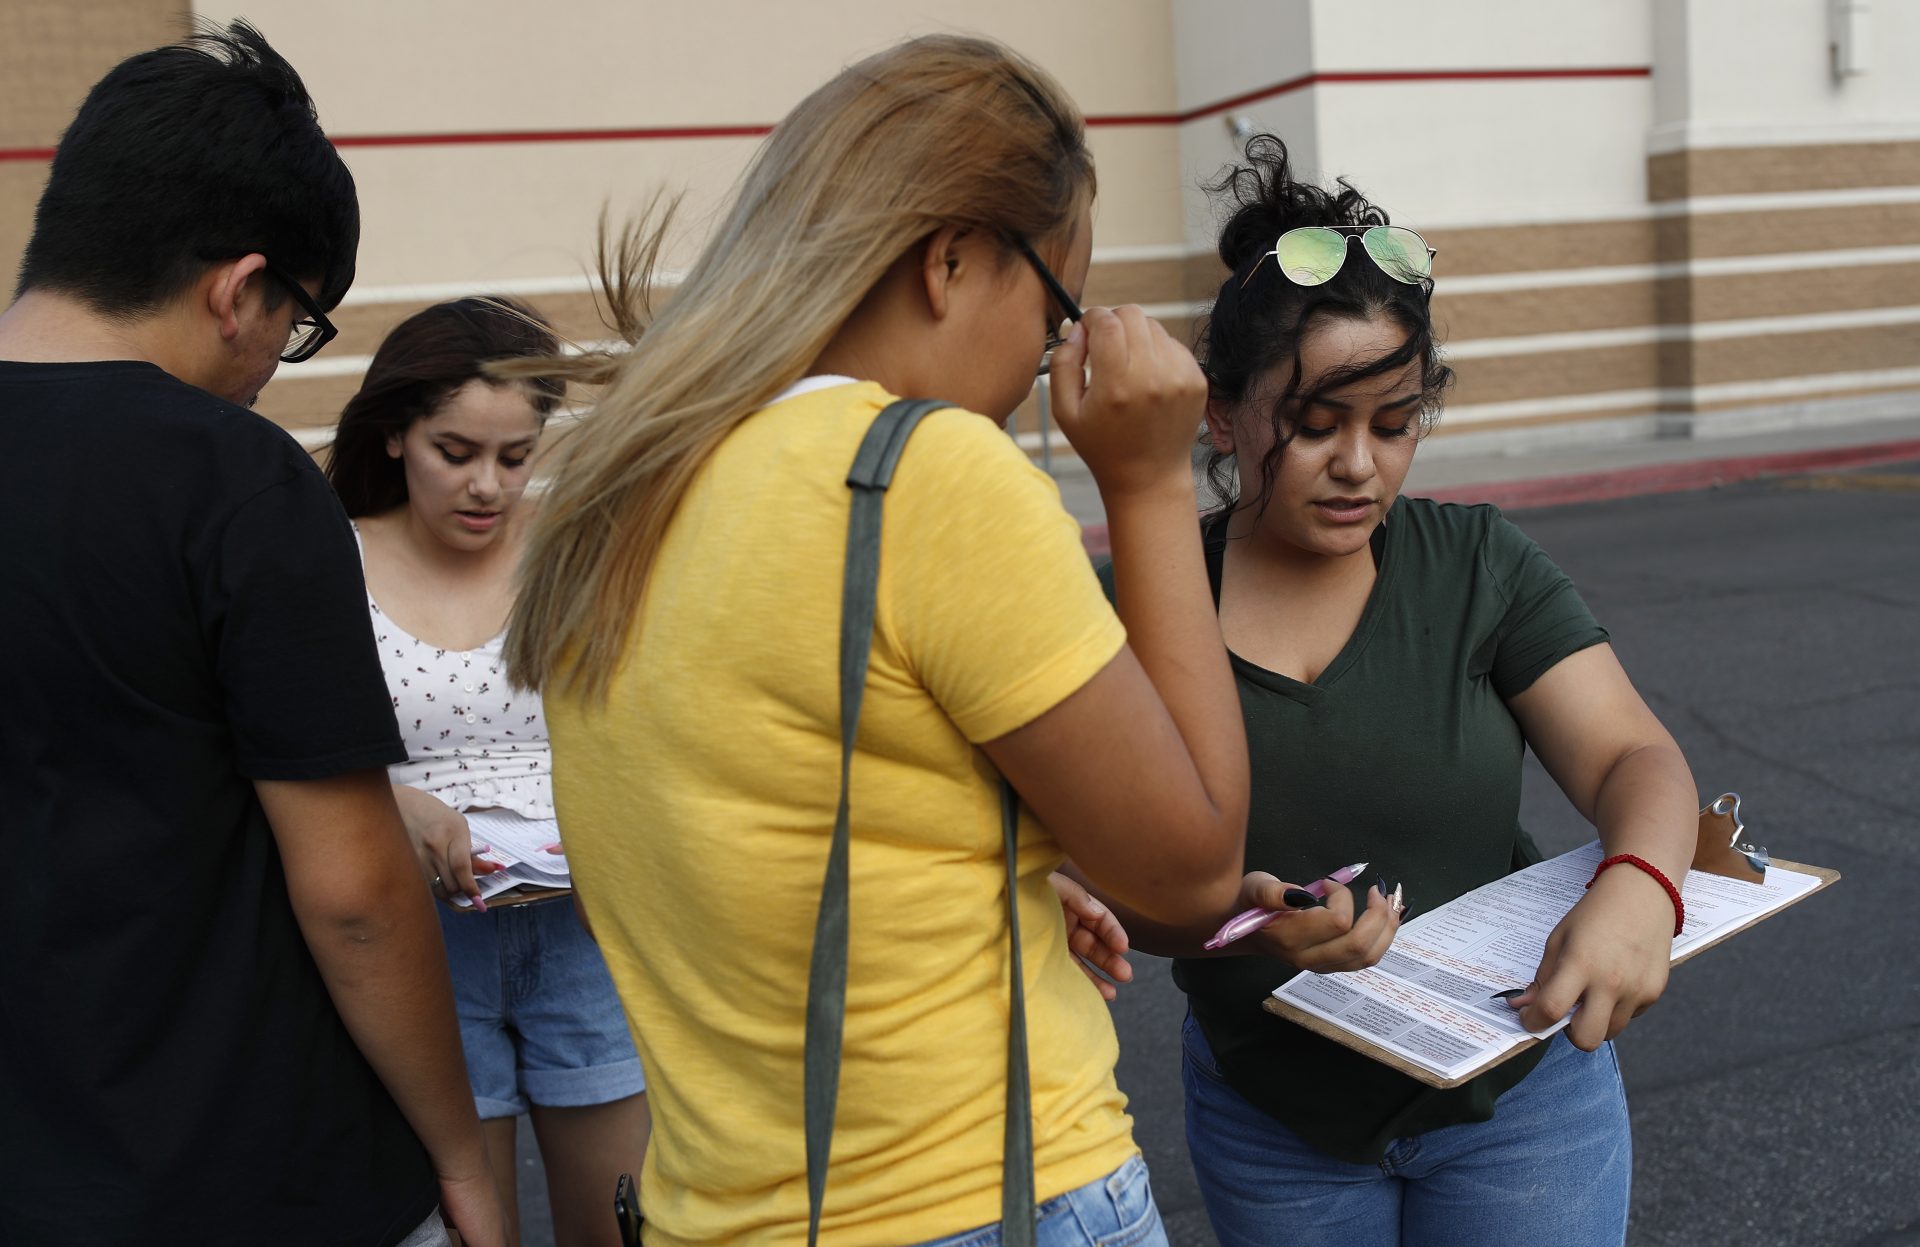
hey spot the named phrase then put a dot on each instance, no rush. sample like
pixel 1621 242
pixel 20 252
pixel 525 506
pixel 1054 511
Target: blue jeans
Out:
pixel 1551 1169
pixel 1114 1211
pixel 539 1018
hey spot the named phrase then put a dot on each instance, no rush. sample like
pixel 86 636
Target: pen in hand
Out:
pixel 1248 921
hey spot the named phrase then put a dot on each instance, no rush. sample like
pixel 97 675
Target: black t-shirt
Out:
pixel 184 615
pixel 1402 753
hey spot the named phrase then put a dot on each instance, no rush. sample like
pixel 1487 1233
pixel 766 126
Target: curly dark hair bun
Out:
pixel 1260 315
pixel 1266 201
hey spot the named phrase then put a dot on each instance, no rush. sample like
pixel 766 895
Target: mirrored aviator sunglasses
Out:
pixel 1312 254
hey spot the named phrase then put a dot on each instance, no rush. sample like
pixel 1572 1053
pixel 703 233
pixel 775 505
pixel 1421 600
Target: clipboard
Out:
pixel 1722 848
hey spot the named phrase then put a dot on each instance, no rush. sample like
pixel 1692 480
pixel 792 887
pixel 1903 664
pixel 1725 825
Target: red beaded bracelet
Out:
pixel 1673 893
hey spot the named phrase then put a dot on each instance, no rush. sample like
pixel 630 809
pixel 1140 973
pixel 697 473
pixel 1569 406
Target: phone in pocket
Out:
pixel 626 1208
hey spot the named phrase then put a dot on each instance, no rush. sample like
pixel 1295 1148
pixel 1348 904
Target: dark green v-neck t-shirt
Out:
pixel 1404 754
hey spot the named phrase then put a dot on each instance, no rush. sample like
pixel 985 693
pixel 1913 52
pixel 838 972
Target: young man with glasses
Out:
pixel 228 1018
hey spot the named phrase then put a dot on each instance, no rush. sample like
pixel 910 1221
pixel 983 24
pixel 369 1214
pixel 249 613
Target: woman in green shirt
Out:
pixel 1394 658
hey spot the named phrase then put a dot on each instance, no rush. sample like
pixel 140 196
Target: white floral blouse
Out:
pixel 472 739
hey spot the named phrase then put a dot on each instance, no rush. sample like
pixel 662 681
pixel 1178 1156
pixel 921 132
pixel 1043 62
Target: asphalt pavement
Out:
pixel 1775 1091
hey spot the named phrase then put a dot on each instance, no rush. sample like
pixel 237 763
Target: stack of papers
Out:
pixel 528 848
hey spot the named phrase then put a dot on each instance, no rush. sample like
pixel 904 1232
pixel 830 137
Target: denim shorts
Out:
pixel 538 1014
pixel 1551 1169
pixel 1114 1211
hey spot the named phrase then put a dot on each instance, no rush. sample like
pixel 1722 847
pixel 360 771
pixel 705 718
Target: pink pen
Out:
pixel 1248 921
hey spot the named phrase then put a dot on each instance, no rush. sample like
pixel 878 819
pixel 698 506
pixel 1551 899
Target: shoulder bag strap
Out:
pixel 872 472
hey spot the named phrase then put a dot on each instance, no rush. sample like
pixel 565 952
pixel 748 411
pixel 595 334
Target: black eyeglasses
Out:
pixel 311 331
pixel 1060 296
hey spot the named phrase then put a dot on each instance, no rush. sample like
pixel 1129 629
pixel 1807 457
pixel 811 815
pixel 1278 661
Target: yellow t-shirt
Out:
pixel 698 805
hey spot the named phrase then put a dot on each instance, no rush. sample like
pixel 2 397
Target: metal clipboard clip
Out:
pixel 1723 847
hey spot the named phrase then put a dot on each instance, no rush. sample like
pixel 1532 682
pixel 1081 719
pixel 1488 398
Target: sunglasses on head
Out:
pixel 1312 254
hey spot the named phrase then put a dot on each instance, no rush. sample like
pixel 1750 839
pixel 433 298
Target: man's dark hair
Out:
pixel 186 156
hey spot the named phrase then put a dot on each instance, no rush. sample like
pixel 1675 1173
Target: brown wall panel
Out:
pixel 1767 356
pixel 51 54
pixel 1443 429
pixel 53 51
pixel 1674 301
pixel 363 325
pixel 296 402
pixel 1555 374
pixel 1532 248
pixel 1802 291
pixel 20 184
pixel 1178 279
pixel 1770 170
pixel 1791 230
pixel 1677 365
pixel 1555 309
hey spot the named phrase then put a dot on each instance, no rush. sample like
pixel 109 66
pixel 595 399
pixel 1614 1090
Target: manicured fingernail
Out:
pixel 1300 898
pixel 480 903
pixel 1509 995
pixel 1077 333
pixel 1096 908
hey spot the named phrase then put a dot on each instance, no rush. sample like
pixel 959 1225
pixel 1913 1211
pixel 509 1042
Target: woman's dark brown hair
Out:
pixel 423 361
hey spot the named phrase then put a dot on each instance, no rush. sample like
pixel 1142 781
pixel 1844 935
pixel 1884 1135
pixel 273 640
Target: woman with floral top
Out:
pixel 431 460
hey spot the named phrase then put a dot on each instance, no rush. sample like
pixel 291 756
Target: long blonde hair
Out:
pixel 942 130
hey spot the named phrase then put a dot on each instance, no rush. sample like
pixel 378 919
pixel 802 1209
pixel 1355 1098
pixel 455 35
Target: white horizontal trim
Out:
pixel 1470 414
pixel 1578 340
pixel 1793 261
pixel 1778 201
pixel 1147 251
pixel 1704 331
pixel 1706 205
pixel 1699 205
pixel 1549 279
pixel 1544 214
pixel 325 366
pixel 1177 311
pixel 1723 392
pixel 1794 387
pixel 1603 275
pixel 1698 136
pixel 1719 266
pixel 1474 348
pixel 583 283
pixel 1574 404
pixel 1812 322
pixel 440 291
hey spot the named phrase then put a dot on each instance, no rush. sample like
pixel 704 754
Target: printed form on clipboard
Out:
pixel 1429 1009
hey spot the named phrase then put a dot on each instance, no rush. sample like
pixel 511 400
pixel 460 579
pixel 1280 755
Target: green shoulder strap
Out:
pixel 872 472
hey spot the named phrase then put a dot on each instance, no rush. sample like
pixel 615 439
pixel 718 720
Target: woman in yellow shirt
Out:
pixel 896 236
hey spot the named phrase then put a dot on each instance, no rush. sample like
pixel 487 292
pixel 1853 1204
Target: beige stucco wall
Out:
pixel 447 213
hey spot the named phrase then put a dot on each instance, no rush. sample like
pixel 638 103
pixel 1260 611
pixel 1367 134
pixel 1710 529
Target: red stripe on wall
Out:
pixel 649 133
pixel 554 136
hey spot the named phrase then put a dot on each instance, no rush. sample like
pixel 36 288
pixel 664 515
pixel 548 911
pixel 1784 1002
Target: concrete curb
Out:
pixel 1652 478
